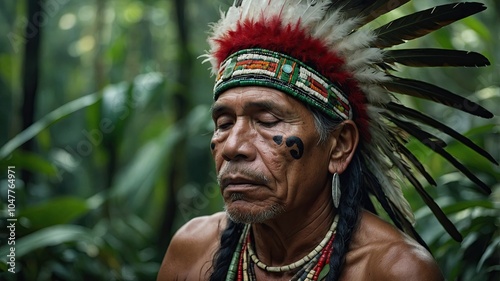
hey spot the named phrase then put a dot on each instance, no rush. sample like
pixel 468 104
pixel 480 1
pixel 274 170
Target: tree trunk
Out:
pixel 30 72
pixel 176 175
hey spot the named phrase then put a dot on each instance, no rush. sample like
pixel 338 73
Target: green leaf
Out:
pixel 139 177
pixel 146 86
pixel 116 108
pixel 482 131
pixel 121 101
pixel 31 162
pixel 492 248
pixel 46 237
pixel 479 27
pixel 46 121
pixel 60 210
pixel 464 205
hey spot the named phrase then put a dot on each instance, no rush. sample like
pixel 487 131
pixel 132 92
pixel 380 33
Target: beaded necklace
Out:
pixel 314 266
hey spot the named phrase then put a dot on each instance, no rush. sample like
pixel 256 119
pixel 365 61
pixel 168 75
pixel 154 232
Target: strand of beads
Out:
pixel 300 262
pixel 234 265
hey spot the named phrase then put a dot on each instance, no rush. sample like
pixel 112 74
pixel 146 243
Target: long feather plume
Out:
pixel 442 218
pixel 400 221
pixel 391 191
pixel 380 7
pixel 416 163
pixel 428 91
pixel 368 10
pixel 421 23
pixel 424 138
pixel 418 116
pixel 435 57
pixel 429 201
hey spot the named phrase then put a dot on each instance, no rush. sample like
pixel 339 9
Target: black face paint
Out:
pixel 212 146
pixel 278 140
pixel 296 153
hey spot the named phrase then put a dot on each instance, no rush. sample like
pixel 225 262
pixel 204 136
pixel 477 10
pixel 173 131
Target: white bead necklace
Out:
pixel 300 262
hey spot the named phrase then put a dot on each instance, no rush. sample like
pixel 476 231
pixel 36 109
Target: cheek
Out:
pixel 284 153
pixel 289 159
pixel 275 153
pixel 293 144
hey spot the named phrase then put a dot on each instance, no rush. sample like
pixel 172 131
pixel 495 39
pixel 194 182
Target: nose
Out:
pixel 239 144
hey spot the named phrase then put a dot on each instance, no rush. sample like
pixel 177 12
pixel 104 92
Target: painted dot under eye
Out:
pixel 278 140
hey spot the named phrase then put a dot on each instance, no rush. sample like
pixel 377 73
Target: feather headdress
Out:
pixel 321 53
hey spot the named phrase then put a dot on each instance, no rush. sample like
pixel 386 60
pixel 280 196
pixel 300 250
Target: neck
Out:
pixel 294 234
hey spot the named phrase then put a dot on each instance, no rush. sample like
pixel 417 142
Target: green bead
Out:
pixel 324 272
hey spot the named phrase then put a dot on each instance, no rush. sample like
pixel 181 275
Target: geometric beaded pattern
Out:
pixel 260 67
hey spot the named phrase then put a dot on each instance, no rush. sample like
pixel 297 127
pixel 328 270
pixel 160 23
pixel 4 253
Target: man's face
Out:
pixel 266 153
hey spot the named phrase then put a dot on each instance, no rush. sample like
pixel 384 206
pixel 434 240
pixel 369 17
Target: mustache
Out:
pixel 229 172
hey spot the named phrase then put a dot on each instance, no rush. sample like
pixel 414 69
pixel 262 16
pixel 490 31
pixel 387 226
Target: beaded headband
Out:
pixel 259 67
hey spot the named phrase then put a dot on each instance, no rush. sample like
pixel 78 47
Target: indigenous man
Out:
pixel 307 132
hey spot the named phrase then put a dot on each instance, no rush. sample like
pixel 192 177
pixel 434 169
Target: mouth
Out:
pixel 239 182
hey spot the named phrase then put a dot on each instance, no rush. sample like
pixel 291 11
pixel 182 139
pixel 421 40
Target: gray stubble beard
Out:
pixel 242 217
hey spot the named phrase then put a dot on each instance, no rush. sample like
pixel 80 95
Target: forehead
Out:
pixel 258 98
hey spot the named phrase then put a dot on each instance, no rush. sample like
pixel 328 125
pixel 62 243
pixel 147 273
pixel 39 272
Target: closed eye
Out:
pixel 224 126
pixel 268 124
pixel 223 122
pixel 267 119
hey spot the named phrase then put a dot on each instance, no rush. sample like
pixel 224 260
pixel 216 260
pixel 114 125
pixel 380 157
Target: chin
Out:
pixel 252 214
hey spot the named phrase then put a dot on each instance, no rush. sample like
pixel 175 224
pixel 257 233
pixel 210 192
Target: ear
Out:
pixel 344 142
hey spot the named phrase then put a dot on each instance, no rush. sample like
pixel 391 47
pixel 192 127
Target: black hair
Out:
pixel 228 242
pixel 349 213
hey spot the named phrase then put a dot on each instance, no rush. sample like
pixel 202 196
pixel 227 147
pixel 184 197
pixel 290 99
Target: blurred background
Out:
pixel 104 116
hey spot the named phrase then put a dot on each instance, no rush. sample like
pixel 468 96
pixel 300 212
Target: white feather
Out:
pixel 355 41
pixel 386 158
pixel 375 94
pixel 311 15
pixel 323 29
pixel 383 170
pixel 363 58
pixel 336 29
pixel 369 75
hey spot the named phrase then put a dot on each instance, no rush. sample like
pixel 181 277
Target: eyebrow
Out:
pixel 263 105
pixel 218 108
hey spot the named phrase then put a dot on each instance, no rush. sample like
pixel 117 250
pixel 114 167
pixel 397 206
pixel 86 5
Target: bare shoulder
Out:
pixel 189 255
pixel 385 253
